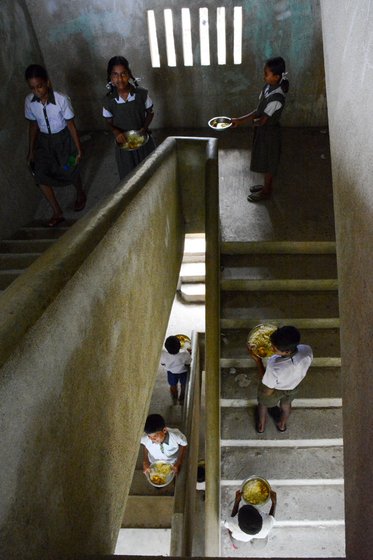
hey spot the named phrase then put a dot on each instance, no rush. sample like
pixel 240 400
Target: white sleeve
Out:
pixel 148 103
pixel 106 113
pixel 28 111
pixel 180 438
pixel 66 107
pixel 272 107
pixel 269 379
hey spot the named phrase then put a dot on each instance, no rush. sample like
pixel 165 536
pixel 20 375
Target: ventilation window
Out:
pixel 187 37
pixel 237 35
pixel 170 42
pixel 220 32
pixel 204 36
pixel 153 41
pixel 223 26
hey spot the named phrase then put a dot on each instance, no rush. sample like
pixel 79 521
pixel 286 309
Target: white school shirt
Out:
pixel 168 450
pixel 286 373
pixel 239 535
pixel 131 97
pixel 58 108
pixel 176 363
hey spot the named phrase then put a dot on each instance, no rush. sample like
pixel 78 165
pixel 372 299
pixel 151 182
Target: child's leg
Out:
pixel 172 381
pixel 285 413
pixel 262 417
pixel 48 192
pixel 183 380
pixel 81 197
pixel 268 180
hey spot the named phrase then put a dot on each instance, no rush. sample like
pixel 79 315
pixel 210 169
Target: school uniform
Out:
pixel 266 147
pixel 127 115
pixel 54 144
pixel 168 450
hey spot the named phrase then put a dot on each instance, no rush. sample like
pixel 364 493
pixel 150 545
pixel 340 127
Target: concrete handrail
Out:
pixel 183 518
pixel 30 294
pixel 212 505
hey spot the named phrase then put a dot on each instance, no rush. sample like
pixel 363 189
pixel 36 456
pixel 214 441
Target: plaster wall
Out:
pixel 348 48
pixel 19 48
pixel 78 38
pixel 75 391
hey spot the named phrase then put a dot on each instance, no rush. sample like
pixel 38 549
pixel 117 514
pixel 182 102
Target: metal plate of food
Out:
pixel 160 474
pixel 259 340
pixel 220 123
pixel 255 490
pixel 185 341
pixel 134 140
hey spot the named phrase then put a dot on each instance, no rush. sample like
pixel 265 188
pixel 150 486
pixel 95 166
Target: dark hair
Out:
pixel 249 520
pixel 172 344
pixel 36 71
pixel 119 61
pixel 277 67
pixel 286 338
pixel 154 423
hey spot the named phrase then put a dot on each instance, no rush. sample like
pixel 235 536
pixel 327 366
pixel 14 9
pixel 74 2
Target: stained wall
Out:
pixel 348 45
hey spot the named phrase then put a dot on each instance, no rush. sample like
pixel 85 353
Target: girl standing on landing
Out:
pixel 266 148
pixel 127 107
pixel 54 145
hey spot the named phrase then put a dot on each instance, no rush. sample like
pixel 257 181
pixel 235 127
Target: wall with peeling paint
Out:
pixel 78 38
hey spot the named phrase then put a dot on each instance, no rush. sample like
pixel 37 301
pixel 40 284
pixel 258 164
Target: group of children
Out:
pixel 55 151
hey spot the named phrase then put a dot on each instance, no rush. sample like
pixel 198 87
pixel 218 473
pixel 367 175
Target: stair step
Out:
pixel 279 285
pixel 319 383
pixel 143 542
pixel 17 260
pixel 249 363
pixel 276 247
pixel 25 246
pixel 324 342
pixel 318 540
pixel 192 272
pixel 148 512
pixel 280 463
pixel 236 320
pixel 193 293
pixel 299 502
pixel 309 424
pixel 279 266
pixel 194 248
pixel 141 487
pixel 40 232
pixel 265 305
pixel 7 277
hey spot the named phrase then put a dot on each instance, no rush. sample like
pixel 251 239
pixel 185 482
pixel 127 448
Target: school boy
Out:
pixel 176 362
pixel 280 380
pixel 162 443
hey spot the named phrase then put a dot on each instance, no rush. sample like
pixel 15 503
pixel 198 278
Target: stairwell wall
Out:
pixel 75 392
pixel 348 47
pixel 19 47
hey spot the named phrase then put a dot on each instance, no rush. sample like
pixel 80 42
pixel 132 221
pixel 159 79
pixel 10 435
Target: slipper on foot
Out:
pixel 257 196
pixel 53 222
pixel 281 429
pixel 256 188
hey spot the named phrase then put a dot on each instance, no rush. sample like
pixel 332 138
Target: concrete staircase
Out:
pixel 285 283
pixel 192 274
pixel 24 247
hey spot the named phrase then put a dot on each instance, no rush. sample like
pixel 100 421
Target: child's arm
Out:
pixel 148 119
pixel 146 462
pixel 245 119
pixel 180 458
pixel 33 133
pixel 236 503
pixel 119 135
pixel 258 361
pixel 274 502
pixel 75 136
